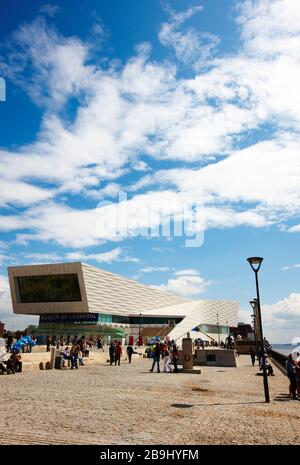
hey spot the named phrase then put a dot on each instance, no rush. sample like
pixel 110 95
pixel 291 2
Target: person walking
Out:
pixel 99 344
pixel 118 353
pixel 156 358
pixel 112 351
pixel 291 374
pixel 174 353
pixel 252 355
pixel 130 351
pixel 167 361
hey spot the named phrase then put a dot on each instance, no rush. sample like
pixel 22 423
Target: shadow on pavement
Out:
pixel 284 398
pixel 215 404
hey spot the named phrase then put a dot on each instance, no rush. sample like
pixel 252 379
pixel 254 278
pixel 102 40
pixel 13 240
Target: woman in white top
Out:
pixel 167 361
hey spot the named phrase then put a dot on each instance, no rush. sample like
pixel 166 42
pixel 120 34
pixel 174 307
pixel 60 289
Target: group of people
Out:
pixel 261 356
pixel 292 366
pixel 74 355
pixel 116 352
pixel 60 341
pixel 12 363
pixel 166 351
pixel 22 342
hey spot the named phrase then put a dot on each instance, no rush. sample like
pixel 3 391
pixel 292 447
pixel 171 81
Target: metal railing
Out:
pixel 278 360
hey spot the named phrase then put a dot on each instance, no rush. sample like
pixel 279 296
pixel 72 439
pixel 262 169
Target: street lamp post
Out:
pixel 218 329
pixel 255 263
pixel 253 304
pixel 140 330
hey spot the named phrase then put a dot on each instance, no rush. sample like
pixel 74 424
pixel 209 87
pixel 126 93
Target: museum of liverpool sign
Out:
pixel 69 318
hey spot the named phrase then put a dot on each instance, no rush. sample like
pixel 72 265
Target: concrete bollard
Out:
pixel 52 357
pixel 187 353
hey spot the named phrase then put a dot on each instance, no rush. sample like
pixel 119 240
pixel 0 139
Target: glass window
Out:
pixel 214 329
pixel 52 288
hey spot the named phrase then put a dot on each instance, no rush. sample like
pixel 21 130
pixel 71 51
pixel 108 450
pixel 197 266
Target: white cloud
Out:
pixel 281 320
pixel 40 258
pixel 49 10
pixel 12 321
pixel 105 257
pixel 191 46
pixel 187 273
pixel 152 269
pixel 290 267
pixel 185 285
pixel 150 111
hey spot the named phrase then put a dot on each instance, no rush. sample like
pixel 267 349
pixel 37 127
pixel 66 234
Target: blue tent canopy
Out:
pixel 23 341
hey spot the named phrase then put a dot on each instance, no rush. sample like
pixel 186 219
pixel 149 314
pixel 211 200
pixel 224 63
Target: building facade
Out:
pixel 76 298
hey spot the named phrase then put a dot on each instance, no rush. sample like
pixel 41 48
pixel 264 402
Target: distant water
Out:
pixel 285 349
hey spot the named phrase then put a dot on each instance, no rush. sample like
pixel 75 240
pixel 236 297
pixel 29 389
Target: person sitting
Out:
pixel 11 364
pixel 74 356
pixel 18 362
pixel 3 367
pixel 269 368
pixel 80 358
pixel 66 356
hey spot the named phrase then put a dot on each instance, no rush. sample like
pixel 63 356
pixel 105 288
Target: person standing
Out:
pixel 291 374
pixel 118 353
pixel 174 357
pixel 167 361
pixel 100 345
pixel 48 342
pixel 156 358
pixel 129 352
pixel 297 369
pixel 74 356
pixel 9 343
pixel 252 355
pixel 112 351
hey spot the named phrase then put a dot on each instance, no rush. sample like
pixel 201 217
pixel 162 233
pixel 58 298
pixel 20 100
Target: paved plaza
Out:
pixel 101 404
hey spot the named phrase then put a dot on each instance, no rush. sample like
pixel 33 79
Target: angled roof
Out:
pixel 206 311
pixel 109 293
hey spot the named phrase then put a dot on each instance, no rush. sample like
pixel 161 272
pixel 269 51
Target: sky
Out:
pixel 158 140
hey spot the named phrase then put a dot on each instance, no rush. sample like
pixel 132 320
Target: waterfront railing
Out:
pixel 278 360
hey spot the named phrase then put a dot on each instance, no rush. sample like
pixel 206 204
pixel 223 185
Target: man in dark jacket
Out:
pixel 156 358
pixel 112 350
pixel 291 374
pixel 130 351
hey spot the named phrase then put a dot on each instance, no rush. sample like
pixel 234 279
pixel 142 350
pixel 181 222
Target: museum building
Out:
pixel 76 298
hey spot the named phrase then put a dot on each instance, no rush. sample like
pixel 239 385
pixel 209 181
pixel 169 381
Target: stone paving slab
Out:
pixel 102 404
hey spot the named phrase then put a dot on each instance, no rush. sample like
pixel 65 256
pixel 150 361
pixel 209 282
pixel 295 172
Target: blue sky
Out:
pixel 179 104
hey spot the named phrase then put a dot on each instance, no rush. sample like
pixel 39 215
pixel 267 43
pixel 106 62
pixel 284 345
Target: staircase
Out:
pixel 155 331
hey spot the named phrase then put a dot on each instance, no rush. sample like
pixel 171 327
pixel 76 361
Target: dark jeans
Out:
pixel 253 360
pixel 175 365
pixel 74 360
pixel 68 358
pixel 117 359
pixel 129 358
pixel 112 359
pixel 155 360
pixel 293 382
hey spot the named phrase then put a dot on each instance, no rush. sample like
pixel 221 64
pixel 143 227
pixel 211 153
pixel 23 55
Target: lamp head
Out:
pixel 255 262
pixel 253 303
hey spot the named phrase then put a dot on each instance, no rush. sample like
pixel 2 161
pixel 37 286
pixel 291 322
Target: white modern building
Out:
pixel 75 298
